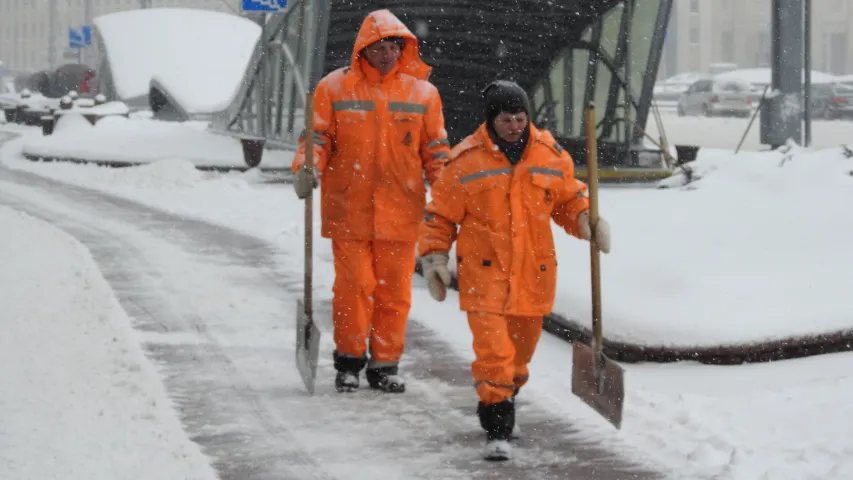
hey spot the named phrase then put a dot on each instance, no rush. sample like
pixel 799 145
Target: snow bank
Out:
pixel 756 250
pixel 79 398
pixel 780 420
pixel 108 108
pixel 119 139
pixel 200 56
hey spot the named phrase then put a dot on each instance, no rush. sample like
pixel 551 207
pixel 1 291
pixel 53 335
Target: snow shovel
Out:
pixel 596 379
pixel 307 333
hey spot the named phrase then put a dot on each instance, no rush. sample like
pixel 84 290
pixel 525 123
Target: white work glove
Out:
pixel 436 274
pixel 602 231
pixel 304 181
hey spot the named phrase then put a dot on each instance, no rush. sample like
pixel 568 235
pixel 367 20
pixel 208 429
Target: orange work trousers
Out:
pixel 503 346
pixel 372 298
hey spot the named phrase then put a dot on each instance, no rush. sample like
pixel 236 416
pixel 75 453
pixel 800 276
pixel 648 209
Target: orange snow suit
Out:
pixel 375 137
pixel 506 263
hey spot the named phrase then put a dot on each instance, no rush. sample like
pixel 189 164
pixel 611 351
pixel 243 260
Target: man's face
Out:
pixel 510 126
pixel 382 56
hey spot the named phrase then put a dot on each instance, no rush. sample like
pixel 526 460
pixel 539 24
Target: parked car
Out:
pixel 718 98
pixel 832 101
pixel 667 92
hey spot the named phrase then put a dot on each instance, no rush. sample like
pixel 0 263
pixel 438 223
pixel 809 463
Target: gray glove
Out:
pixel 304 181
pixel 436 274
pixel 602 231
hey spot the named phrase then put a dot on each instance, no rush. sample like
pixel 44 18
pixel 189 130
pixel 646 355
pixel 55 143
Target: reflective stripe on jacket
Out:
pixel 506 261
pixel 375 139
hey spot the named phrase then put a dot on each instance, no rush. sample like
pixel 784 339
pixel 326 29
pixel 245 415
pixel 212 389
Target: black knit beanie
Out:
pixel 504 96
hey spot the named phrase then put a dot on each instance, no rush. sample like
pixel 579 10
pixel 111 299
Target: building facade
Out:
pixel 704 34
pixel 26 31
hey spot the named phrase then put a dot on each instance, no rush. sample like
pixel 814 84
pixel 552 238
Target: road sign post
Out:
pixel 262 6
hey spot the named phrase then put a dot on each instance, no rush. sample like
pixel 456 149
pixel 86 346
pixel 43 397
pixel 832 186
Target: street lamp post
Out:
pixel 51 33
pixel 807 72
pixel 87 20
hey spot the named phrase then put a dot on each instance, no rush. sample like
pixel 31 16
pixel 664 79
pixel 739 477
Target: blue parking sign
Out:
pixel 263 5
pixel 79 37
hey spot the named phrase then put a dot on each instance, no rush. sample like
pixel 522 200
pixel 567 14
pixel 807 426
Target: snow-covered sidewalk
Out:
pixel 78 398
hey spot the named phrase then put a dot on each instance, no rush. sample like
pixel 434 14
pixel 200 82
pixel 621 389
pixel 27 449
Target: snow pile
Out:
pixel 139 140
pixel 781 420
pixel 754 251
pixel 108 108
pixel 71 124
pixel 160 175
pixel 79 399
pixel 788 167
pixel 199 56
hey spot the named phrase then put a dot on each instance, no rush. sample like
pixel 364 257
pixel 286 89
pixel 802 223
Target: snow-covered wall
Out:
pixel 200 56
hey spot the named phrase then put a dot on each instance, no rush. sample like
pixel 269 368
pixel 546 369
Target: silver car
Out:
pixel 710 97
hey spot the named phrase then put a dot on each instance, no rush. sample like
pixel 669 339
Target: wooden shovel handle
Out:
pixel 309 207
pixel 594 260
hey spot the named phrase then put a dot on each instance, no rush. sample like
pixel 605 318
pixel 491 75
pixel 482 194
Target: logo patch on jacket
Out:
pixel 407 140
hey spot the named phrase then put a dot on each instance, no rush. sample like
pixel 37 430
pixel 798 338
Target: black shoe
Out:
pixel 497 451
pixel 386 379
pixel 498 420
pixel 346 382
pixel 348 368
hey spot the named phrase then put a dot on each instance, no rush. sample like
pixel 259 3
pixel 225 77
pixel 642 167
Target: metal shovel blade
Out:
pixel 307 346
pixel 601 388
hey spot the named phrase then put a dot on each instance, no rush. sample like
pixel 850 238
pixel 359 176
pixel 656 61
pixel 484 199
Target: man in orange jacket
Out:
pixel 378 125
pixel 503 186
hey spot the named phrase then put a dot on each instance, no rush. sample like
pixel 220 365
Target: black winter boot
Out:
pixel 498 421
pixel 386 379
pixel 348 368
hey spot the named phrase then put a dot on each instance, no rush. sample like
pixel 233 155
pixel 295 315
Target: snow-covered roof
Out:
pixel 762 76
pixel 199 55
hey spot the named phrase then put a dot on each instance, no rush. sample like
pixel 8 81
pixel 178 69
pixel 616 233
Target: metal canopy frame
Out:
pixel 613 112
pixel 287 63
pixel 313 37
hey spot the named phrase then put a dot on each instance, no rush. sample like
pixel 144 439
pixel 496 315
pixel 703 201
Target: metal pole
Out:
pixel 629 127
pixel 51 34
pixel 87 20
pixel 807 72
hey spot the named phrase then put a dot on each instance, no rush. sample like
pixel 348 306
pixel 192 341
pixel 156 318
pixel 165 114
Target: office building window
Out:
pixel 694 35
pixel 694 6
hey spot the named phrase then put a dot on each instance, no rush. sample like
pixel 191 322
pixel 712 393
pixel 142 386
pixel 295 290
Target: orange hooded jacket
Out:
pixel 506 261
pixel 374 137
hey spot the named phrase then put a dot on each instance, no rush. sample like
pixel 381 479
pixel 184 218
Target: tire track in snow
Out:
pixel 229 368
